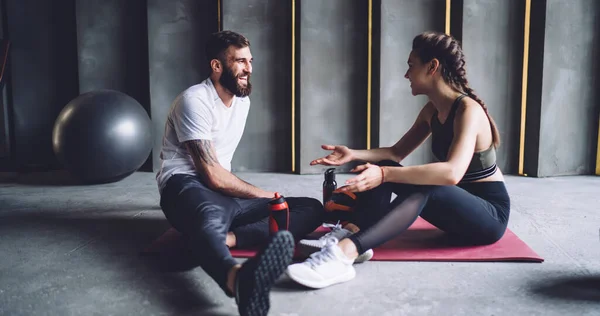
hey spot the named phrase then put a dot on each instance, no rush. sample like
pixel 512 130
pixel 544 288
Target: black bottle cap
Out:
pixel 277 199
pixel 330 174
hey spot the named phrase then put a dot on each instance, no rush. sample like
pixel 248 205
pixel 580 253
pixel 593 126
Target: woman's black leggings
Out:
pixel 475 212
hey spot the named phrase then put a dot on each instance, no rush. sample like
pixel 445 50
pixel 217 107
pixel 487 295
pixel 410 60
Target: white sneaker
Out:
pixel 324 268
pixel 310 246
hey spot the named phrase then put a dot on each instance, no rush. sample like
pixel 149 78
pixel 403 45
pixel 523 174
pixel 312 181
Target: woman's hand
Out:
pixel 340 155
pixel 371 176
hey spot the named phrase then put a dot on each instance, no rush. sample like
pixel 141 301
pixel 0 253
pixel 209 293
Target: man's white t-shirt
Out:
pixel 198 113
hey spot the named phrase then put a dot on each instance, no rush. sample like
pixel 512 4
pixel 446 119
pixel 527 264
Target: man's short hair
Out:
pixel 219 42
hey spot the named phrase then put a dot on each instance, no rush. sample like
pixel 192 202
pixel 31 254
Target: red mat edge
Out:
pixel 383 254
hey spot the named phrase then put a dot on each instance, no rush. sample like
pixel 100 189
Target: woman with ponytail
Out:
pixel 462 193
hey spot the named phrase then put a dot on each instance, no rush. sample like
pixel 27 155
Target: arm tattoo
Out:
pixel 203 154
pixel 203 151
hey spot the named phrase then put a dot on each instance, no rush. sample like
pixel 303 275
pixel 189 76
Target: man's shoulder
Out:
pixel 201 94
pixel 204 91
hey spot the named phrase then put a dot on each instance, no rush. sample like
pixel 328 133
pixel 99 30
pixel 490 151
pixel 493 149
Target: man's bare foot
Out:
pixel 231 278
pixel 230 240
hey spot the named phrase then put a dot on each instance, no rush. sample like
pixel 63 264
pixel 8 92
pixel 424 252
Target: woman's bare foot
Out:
pixel 349 248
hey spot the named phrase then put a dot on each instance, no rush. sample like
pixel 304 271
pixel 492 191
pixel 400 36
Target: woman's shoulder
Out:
pixel 468 106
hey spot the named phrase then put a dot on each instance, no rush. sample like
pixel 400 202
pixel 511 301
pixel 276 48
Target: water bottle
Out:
pixel 329 185
pixel 279 218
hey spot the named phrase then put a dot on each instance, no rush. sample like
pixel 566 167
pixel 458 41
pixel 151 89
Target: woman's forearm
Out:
pixel 437 173
pixel 374 155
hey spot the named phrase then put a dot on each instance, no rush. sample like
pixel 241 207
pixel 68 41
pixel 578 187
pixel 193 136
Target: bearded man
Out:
pixel 205 201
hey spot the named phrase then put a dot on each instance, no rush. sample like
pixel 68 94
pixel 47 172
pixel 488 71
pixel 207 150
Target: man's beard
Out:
pixel 230 82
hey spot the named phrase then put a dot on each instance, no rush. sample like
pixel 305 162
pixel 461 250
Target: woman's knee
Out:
pixel 493 236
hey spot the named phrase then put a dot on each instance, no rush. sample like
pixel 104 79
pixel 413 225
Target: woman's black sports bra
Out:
pixel 483 163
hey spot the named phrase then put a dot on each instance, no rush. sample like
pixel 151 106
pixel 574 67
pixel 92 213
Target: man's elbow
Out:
pixel 211 179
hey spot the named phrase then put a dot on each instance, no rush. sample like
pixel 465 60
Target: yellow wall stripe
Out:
pixel 524 87
pixel 219 15
pixel 293 85
pixel 598 153
pixel 448 5
pixel 369 71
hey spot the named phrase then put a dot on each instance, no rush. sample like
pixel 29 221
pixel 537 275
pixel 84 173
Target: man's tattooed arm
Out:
pixel 218 178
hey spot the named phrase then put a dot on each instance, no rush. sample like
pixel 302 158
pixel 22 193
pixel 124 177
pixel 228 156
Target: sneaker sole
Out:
pixel 307 249
pixel 271 264
pixel 366 256
pixel 319 285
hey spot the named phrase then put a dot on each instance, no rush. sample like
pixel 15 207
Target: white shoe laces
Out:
pixel 326 254
pixel 334 228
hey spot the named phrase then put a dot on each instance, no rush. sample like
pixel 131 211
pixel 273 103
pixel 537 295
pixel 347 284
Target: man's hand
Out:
pixel 218 178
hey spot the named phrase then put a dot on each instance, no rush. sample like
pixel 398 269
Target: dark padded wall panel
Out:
pixel 333 78
pixel 4 115
pixel 401 21
pixel 266 144
pixel 177 32
pixel 43 68
pixel 113 47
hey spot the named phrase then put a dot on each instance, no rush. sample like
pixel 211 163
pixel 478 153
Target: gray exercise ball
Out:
pixel 102 136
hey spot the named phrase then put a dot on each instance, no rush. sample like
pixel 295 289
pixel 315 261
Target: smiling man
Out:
pixel 200 196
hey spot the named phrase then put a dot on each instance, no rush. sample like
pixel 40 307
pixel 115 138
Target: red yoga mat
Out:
pixel 421 242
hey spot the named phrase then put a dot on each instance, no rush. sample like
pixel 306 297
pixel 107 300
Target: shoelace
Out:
pixel 326 253
pixel 334 228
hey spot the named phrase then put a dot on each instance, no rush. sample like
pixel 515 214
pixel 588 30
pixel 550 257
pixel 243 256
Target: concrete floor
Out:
pixel 75 250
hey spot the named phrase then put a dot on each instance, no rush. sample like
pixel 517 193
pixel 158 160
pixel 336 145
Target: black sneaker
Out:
pixel 257 275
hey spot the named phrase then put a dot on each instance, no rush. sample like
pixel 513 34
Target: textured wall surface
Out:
pixel 401 21
pixel 113 47
pixel 153 50
pixel 333 78
pixel 494 53
pixel 4 115
pixel 569 96
pixel 177 31
pixel 266 144
pixel 563 103
pixel 43 67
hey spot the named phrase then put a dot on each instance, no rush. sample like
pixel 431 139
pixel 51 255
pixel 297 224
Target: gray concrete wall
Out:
pixel 177 31
pixel 492 33
pixel 563 101
pixel 43 65
pixel 401 21
pixel 266 144
pixel 333 78
pixel 154 49
pixel 568 98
